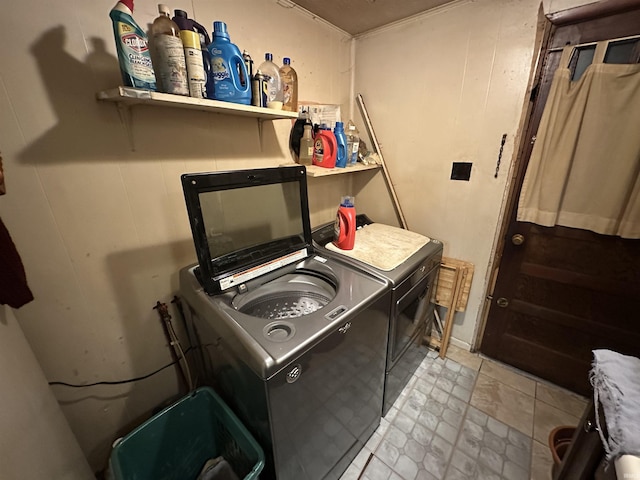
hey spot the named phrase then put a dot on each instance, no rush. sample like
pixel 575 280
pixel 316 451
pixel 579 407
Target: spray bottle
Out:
pixel 297 131
pixel 306 147
pixel 345 227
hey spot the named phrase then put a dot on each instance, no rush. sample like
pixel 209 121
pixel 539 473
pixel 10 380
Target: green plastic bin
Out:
pixel 176 443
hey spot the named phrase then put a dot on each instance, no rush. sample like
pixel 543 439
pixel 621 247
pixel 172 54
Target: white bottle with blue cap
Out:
pixel 274 82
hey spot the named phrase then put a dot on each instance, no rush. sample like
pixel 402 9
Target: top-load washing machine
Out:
pixel 295 342
pixel 410 263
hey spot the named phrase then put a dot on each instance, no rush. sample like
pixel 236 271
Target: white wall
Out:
pixel 36 440
pixel 444 87
pixel 102 229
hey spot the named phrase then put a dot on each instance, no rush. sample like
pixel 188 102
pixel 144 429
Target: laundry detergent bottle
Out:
pixel 186 23
pixel 133 48
pixel 341 142
pixel 230 77
pixel 325 148
pixel 198 66
pixel 345 227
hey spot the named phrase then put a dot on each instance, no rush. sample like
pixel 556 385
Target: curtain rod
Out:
pixel 559 49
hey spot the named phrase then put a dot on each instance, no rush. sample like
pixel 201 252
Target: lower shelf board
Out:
pixel 316 171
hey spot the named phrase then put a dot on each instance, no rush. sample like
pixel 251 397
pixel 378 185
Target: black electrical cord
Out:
pixel 120 382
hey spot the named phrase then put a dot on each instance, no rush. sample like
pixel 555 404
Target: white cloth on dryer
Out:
pixel 383 246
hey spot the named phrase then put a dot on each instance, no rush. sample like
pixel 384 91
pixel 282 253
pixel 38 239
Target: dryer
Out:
pixel 295 342
pixel 410 310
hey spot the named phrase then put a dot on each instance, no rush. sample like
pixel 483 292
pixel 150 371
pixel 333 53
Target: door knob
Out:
pixel 517 239
pixel 590 426
pixel 502 302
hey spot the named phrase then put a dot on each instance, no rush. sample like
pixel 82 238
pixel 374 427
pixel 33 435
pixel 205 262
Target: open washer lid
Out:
pixel 246 223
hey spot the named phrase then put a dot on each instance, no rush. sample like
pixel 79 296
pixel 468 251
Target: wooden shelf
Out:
pixel 315 171
pixel 133 96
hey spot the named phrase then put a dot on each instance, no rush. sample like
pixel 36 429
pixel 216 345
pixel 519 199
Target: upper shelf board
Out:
pixel 134 96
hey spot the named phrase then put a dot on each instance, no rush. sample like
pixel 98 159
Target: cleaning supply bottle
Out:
pixel 205 41
pixel 272 75
pixel 306 147
pixel 133 48
pixel 298 130
pixel 325 148
pixel 248 62
pixel 259 91
pixel 186 23
pixel 344 228
pixel 195 68
pixel 341 143
pixel 353 143
pixel 193 58
pixel 289 79
pixel 168 54
pixel 231 79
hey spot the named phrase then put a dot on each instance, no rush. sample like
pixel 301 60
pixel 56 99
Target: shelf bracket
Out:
pixel 126 116
pixel 260 134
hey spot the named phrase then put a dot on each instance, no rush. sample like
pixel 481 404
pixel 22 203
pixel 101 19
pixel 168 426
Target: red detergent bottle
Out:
pixel 345 227
pixel 325 148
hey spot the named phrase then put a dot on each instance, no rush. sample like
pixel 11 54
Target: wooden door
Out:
pixel 562 292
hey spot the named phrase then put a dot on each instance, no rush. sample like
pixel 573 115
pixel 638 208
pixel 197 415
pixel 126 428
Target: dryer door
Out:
pixel 409 315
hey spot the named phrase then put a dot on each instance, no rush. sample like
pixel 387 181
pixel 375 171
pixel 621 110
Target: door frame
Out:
pixel 546 27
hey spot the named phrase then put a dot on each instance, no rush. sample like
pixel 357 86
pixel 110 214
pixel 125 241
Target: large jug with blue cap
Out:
pixel 230 78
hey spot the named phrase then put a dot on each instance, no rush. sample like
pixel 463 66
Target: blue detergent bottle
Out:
pixel 341 141
pixel 229 71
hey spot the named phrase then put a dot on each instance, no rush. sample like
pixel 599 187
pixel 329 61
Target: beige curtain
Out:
pixel 585 164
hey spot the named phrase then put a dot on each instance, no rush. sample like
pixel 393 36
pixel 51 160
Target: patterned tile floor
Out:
pixel 467 418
